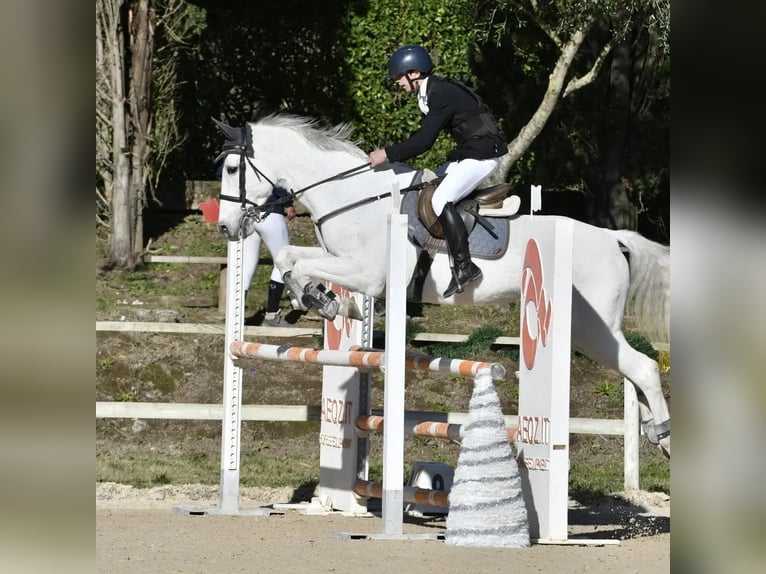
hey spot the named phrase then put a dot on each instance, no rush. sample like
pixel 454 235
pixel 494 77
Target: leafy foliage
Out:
pixel 382 115
pixel 641 344
pixel 249 62
pixel 182 24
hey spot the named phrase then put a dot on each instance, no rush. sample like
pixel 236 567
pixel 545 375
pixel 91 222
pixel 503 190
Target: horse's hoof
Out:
pixel 348 308
pixel 328 311
pixel 649 432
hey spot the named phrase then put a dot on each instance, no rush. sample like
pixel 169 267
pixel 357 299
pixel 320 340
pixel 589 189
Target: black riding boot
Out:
pixel 464 270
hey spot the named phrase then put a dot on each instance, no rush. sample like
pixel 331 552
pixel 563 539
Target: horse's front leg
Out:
pixel 285 261
pixel 303 267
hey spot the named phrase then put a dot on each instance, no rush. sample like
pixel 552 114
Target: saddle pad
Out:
pixel 480 242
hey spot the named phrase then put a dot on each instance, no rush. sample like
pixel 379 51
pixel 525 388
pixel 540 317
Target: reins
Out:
pixel 252 209
pixel 337 176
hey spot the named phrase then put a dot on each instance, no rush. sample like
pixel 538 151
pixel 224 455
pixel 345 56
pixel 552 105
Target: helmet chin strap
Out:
pixel 412 81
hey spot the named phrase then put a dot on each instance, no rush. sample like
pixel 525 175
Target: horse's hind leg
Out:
pixel 644 373
pixel 607 345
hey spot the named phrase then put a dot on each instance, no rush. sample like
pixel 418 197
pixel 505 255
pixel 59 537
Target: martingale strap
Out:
pixel 366 200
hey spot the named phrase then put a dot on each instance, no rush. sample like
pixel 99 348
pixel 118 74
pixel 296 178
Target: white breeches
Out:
pixel 464 176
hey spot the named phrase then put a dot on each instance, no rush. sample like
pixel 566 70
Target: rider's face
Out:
pixel 408 85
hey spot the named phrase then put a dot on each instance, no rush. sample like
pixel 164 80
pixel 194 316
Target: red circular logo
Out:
pixel 536 307
pixel 336 328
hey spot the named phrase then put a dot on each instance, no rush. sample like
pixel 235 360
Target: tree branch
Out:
pixel 534 13
pixel 577 83
pixel 537 122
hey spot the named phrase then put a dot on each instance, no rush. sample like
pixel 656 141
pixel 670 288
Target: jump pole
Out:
pixel 361 359
pixel 431 429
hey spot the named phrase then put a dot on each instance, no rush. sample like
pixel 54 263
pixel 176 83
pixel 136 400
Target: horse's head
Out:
pixel 244 188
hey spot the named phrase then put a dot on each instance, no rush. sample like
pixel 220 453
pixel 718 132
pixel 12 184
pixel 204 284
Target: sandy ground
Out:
pixel 139 531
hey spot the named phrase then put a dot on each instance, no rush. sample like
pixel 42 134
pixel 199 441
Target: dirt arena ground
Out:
pixel 138 531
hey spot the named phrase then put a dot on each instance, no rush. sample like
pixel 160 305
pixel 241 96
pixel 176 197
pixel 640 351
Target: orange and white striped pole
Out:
pixel 362 359
pixel 448 431
pixel 413 494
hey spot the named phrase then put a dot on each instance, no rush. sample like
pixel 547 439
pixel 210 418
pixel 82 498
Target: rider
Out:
pixel 447 105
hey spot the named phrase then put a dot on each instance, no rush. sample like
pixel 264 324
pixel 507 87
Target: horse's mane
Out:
pixel 336 138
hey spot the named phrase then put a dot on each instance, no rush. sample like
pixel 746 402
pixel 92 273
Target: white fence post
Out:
pixel 631 438
pixel 232 381
pixel 393 398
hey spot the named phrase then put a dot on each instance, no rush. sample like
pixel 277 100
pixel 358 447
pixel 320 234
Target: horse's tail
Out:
pixel 649 292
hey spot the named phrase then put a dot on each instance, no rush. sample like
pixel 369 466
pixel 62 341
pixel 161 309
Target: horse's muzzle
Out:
pixel 224 230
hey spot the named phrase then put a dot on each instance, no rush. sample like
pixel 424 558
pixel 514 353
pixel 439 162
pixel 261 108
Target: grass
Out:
pixel 294 463
pixel 479 340
pixel 588 482
pixel 609 390
pixel 143 469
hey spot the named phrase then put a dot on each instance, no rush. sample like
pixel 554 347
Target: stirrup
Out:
pixel 276 319
pixel 455 286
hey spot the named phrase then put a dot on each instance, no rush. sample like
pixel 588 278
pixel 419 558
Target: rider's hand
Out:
pixel 290 213
pixel 377 157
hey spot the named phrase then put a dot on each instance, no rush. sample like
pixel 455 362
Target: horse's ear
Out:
pixel 230 132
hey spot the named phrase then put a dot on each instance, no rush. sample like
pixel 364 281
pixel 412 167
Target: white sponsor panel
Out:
pixel 542 439
pixel 342 458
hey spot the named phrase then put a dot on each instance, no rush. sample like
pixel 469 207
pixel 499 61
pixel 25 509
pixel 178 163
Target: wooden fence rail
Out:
pixel 211 329
pixel 312 413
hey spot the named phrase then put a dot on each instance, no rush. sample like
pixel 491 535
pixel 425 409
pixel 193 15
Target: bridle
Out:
pixel 250 209
pixel 243 147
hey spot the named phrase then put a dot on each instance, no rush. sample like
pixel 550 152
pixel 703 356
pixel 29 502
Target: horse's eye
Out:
pixel 231 169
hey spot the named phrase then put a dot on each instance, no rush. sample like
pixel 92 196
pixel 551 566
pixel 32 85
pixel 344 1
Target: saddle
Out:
pixel 488 198
pixel 487 240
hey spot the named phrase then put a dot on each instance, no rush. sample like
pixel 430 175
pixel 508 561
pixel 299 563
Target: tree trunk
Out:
pixel 142 43
pixel 615 208
pixel 126 34
pixel 121 220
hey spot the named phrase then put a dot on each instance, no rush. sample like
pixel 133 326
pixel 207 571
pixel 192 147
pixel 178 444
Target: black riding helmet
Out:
pixel 410 57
